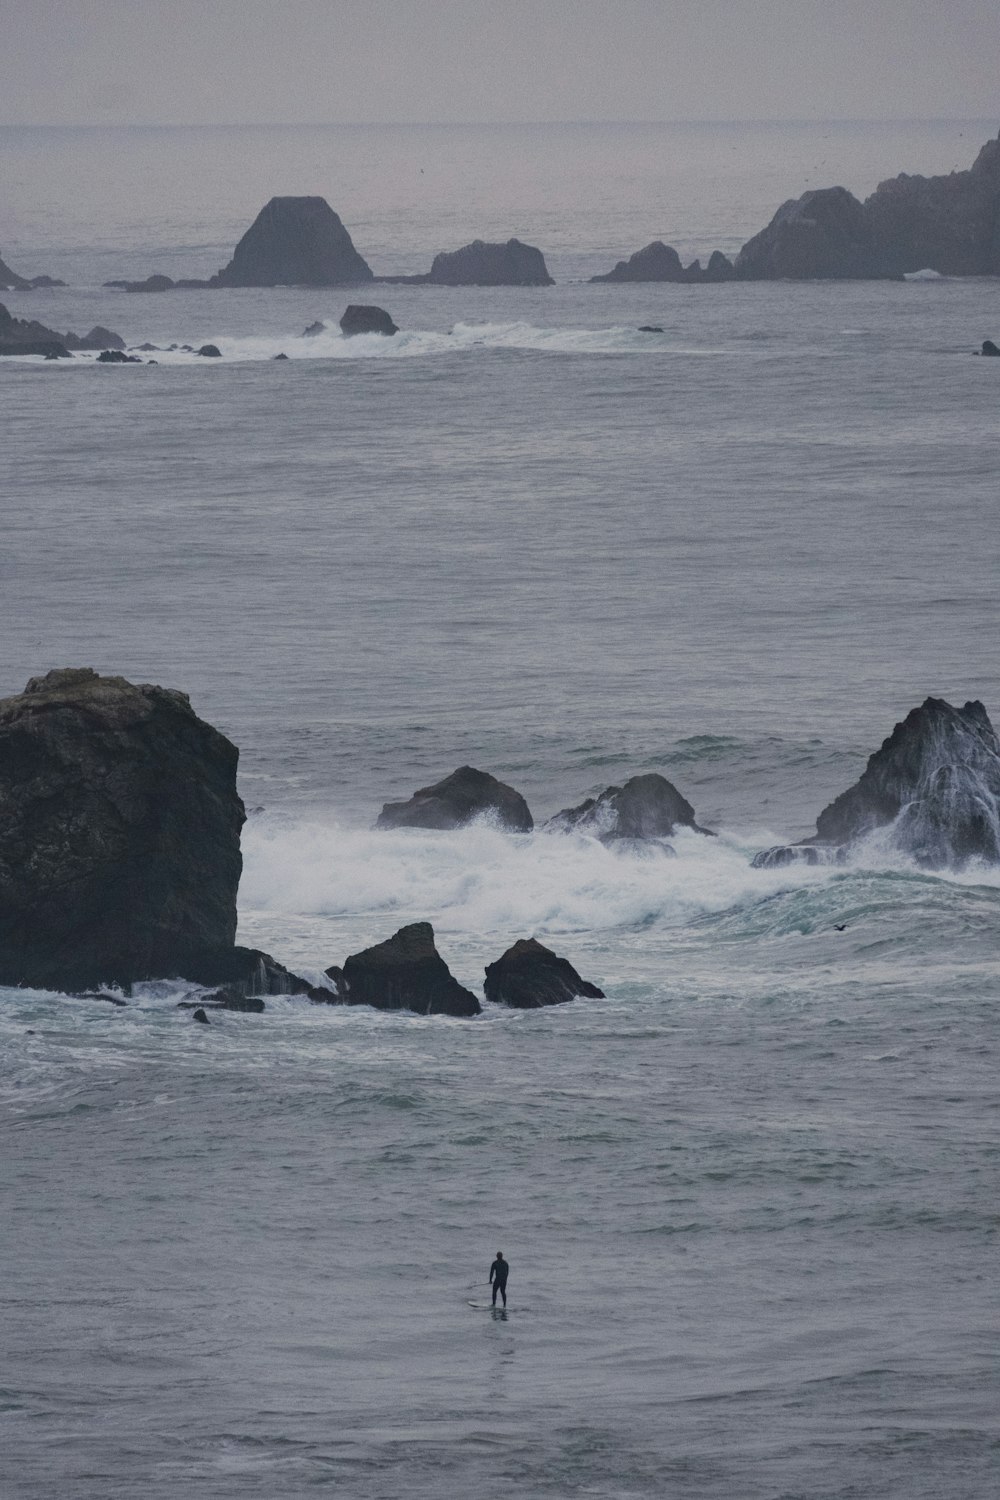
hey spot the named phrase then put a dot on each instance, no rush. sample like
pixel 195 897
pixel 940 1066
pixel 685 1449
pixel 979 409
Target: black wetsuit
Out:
pixel 498 1276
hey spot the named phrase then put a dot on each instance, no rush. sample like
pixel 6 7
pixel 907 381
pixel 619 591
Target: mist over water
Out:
pixel 749 1199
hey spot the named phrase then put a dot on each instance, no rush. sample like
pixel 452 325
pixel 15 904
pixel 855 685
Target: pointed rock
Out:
pixel 530 975
pixel 404 973
pixel 295 242
pixel 455 801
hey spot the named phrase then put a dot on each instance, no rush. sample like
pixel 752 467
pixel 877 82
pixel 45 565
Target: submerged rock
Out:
pixel 295 242
pixel 485 264
pixel 119 834
pixel 530 975
pixel 361 319
pixel 455 801
pixel 932 791
pixel 404 973
pixel 646 807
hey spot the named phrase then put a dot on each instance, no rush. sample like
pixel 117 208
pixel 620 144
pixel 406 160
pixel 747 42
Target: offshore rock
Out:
pixel 486 264
pixel 295 242
pixel 360 319
pixel 646 807
pixel 932 790
pixel 989 348
pixel 117 357
pixel 660 262
pixel 245 971
pixel 530 975
pixel 455 801
pixel 48 348
pixel 24 331
pixel 151 284
pixel 824 234
pixel 404 973
pixel 949 224
pixel 10 281
pixel 119 834
pixel 200 1016
pixel 210 351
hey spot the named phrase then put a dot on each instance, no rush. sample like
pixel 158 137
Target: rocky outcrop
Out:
pixel 660 262
pixel 210 351
pixel 15 332
pixel 646 807
pixel 361 319
pixel 485 264
pixel 295 242
pixel 117 357
pixel 932 791
pixel 119 834
pixel 990 349
pixel 824 234
pixel 455 801
pixel 10 281
pixel 404 973
pixel 530 975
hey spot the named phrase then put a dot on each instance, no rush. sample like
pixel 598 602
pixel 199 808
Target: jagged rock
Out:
pixel 228 999
pixel 313 330
pixel 295 242
pixel 247 971
pixel 119 834
pixel 404 973
pixel 10 281
pixel 24 331
pixel 529 976
pixel 932 790
pixel 660 262
pixel 151 284
pixel 824 234
pixel 210 351
pixel 646 807
pixel 279 356
pixel 719 268
pixel 200 1016
pixel 455 801
pixel 483 264
pixel 989 348
pixel 117 357
pixel 48 348
pixel 361 319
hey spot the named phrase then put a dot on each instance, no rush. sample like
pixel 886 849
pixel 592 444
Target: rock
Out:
pixel 245 971
pixel 295 242
pixel 199 1015
pixel 280 356
pixel 646 807
pixel 99 338
pixel 650 328
pixel 359 319
pixel 49 348
pixel 119 834
pixel 210 351
pixel 989 348
pixel 660 262
pixel 719 268
pixel 151 284
pixel 118 357
pixel 932 790
pixel 797 854
pixel 23 331
pixel 10 281
pixel 529 976
pixel 148 348
pixel 37 283
pixel 228 999
pixel 482 264
pixel 824 234
pixel 405 973
pixel 455 801
pixel 190 283
pixel 313 330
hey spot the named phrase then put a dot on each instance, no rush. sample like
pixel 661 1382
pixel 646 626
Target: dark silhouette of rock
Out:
pixel 455 801
pixel 280 356
pixel 210 351
pixel 529 976
pixel 117 357
pixel 151 284
pixel 24 331
pixel 989 348
pixel 660 262
pixel 797 854
pixel 824 234
pixel 650 328
pixel 97 338
pixel 10 281
pixel 39 283
pixel 483 264
pixel 119 834
pixel 200 1016
pixel 313 330
pixel 148 348
pixel 247 971
pixel 228 999
pixel 360 319
pixel 295 242
pixel 932 790
pixel 404 973
pixel 646 807
pixel 48 348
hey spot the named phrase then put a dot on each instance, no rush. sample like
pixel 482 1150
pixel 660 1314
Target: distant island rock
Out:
pixel 24 336
pixel 10 281
pixel 660 262
pixel 406 972
pixel 932 791
pixel 646 807
pixel 295 242
pixel 529 976
pixel 361 319
pixel 483 264
pixel 455 801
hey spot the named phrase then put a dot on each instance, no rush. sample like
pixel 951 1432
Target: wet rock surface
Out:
pixel 529 976
pixel 406 972
pixel 359 318
pixel 646 807
pixel 455 801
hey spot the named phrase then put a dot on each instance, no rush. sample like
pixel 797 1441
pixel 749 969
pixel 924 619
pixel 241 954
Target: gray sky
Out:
pixel 297 61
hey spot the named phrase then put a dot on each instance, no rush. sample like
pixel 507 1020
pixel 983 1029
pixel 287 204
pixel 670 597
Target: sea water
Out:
pixel 750 1198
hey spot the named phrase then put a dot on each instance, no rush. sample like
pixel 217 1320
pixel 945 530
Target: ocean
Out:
pixel 750 1198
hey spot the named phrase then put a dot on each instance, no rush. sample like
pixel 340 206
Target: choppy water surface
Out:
pixel 750 1199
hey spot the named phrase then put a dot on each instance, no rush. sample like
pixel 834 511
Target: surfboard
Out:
pixel 485 1306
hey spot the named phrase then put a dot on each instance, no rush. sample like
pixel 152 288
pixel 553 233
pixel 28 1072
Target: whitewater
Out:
pixel 750 1198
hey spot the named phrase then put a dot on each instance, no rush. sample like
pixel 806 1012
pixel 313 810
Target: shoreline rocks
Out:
pixel 406 972
pixel 456 800
pixel 26 336
pixel 529 976
pixel 10 281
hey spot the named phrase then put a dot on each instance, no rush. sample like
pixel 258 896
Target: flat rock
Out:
pixel 361 319
pixel 485 264
pixel 404 973
pixel 530 975
pixel 455 801
pixel 295 242
pixel 646 807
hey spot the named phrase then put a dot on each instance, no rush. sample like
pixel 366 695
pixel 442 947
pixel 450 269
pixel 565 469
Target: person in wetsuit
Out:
pixel 498 1278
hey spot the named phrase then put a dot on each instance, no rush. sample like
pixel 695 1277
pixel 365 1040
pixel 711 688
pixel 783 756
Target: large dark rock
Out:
pixel 932 790
pixel 455 801
pixel 10 281
pixel 155 283
pixel 529 976
pixel 14 331
pixel 295 242
pixel 990 349
pixel 660 262
pixel 824 234
pixel 646 807
pixel 117 357
pixel 119 834
pixel 360 319
pixel 404 973
pixel 483 264
pixel 48 348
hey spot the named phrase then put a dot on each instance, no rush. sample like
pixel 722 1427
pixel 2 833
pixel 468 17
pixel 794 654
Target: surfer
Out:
pixel 498 1278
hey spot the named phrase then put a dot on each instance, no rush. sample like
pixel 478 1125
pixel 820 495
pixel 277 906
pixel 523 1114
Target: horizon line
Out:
pixel 799 120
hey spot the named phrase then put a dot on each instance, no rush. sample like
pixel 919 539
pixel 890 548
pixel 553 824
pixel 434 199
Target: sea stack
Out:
pixel 646 807
pixel 529 976
pixel 359 318
pixel 660 262
pixel 295 242
pixel 455 801
pixel 406 972
pixel 485 264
